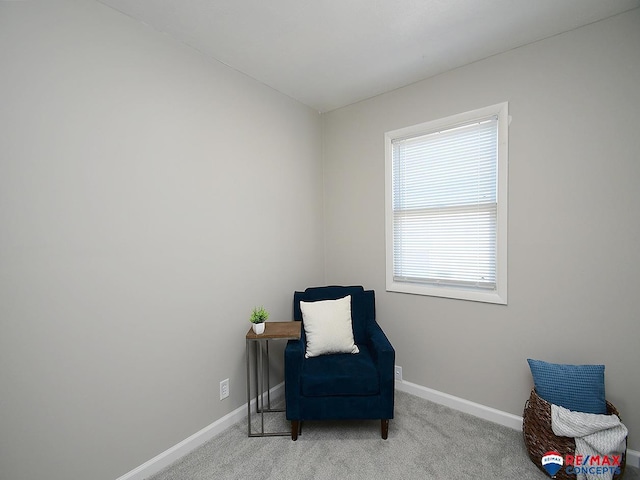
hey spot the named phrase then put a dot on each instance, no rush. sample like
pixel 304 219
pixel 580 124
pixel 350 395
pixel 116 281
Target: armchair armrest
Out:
pixel 293 358
pixel 384 355
pixel 379 345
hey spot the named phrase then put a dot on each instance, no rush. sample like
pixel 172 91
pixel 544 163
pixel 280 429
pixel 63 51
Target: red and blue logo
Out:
pixel 593 465
pixel 552 462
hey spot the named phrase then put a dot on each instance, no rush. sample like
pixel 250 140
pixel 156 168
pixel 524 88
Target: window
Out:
pixel 446 207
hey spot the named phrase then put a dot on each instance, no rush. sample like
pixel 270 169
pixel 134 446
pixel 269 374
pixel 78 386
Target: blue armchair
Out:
pixel 341 386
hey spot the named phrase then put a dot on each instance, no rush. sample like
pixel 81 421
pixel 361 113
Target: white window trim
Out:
pixel 499 295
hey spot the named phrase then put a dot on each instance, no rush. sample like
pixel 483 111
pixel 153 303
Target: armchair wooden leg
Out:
pixel 384 428
pixel 295 428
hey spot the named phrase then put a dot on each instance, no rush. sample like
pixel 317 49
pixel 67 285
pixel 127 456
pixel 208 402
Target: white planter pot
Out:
pixel 258 328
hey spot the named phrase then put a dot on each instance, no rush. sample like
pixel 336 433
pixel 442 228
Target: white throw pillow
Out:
pixel 327 325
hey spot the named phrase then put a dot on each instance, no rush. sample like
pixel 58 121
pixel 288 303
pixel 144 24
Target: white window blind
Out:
pixel 445 210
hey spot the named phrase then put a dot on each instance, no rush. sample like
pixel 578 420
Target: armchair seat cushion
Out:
pixel 340 374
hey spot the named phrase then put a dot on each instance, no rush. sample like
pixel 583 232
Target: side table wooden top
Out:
pixel 287 330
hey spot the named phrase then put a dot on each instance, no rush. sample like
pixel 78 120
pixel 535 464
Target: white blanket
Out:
pixel 594 435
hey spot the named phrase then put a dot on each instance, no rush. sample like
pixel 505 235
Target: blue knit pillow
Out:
pixel 577 387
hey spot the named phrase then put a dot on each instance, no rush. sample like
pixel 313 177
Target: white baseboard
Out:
pixel 174 453
pixel 633 458
pixel 481 411
pixel 457 403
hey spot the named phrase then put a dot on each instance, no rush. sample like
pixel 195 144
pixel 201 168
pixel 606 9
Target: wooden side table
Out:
pixel 272 331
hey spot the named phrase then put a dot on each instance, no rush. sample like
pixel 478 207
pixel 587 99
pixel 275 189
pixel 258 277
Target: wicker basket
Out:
pixel 540 439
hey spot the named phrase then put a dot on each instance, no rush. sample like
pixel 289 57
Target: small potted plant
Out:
pixel 258 316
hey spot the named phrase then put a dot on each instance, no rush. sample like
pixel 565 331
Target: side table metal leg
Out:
pixel 256 373
pixel 248 362
pixel 261 385
pixel 268 378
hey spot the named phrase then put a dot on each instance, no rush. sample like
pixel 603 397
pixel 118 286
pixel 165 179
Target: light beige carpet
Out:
pixel 426 441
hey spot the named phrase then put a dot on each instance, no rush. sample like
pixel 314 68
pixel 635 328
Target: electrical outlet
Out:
pixel 224 388
pixel 398 372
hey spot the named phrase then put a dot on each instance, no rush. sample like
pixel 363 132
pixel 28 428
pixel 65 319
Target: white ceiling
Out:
pixel 331 53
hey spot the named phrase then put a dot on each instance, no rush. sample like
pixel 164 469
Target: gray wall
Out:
pixel 574 219
pixel 149 198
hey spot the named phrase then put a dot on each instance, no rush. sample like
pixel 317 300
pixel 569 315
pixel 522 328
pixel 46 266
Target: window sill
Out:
pixel 489 296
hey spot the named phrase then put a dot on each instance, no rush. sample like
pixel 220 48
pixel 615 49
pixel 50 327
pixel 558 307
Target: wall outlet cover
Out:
pixel 224 388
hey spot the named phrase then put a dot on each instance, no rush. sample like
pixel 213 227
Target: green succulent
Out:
pixel 259 315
